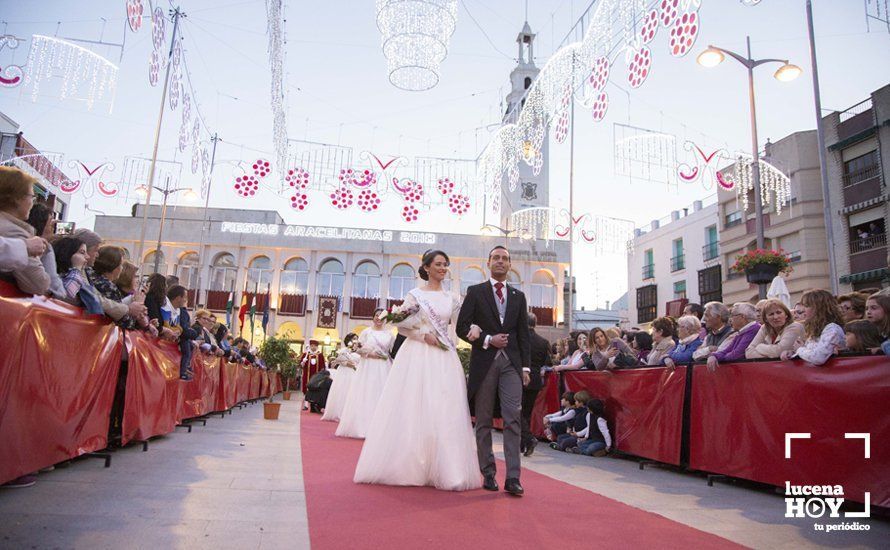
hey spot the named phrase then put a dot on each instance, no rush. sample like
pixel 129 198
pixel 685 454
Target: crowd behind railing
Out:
pixel 819 327
pixel 79 270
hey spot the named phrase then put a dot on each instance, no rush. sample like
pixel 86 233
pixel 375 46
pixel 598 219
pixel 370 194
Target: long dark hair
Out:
pixel 40 215
pixel 427 260
pixel 64 248
pixel 157 288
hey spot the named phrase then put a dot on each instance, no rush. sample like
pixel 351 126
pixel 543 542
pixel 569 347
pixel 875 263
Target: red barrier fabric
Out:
pixel 741 413
pixel 256 383
pixel 242 383
pixel 644 408
pixel 154 390
pixel 199 395
pixel 58 370
pixel 546 402
pixel 228 384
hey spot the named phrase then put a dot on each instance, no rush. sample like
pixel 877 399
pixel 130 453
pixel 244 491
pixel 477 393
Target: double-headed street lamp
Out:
pixel 712 57
pixel 189 195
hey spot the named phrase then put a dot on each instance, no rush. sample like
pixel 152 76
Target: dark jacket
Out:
pixel 540 357
pixel 479 308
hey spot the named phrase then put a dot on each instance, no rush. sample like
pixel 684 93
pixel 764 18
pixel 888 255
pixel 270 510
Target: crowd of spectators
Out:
pixel 817 328
pixel 79 270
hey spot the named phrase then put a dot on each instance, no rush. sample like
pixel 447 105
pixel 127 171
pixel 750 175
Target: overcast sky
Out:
pixel 338 93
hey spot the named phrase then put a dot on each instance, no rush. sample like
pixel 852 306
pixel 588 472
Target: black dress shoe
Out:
pixel 490 484
pixel 513 487
pixel 530 447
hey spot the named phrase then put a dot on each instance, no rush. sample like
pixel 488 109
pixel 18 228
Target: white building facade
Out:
pixel 674 263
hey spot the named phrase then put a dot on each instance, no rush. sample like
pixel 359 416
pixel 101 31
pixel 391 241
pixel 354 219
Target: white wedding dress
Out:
pixel 367 384
pixel 421 432
pixel 342 382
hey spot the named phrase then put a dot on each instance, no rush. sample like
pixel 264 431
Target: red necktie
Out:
pixel 498 289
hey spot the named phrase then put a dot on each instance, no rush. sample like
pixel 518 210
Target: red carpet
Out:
pixel 553 514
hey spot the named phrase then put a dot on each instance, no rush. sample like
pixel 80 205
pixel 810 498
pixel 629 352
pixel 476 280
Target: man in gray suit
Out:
pixel 499 365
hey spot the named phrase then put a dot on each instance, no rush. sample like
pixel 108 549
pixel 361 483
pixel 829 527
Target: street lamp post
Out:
pixel 712 57
pixel 166 191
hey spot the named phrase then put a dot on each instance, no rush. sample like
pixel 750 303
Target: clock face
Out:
pixel 529 191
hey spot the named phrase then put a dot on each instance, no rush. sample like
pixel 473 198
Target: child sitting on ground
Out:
pixel 557 423
pixel 578 423
pixel 594 440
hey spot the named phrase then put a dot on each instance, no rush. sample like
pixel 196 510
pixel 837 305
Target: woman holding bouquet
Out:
pixel 421 433
pixel 367 384
pixel 345 362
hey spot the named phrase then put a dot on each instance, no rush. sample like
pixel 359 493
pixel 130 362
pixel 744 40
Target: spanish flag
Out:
pixel 242 310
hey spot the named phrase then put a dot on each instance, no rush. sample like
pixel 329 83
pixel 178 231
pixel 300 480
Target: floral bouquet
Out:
pixel 398 314
pixel 400 317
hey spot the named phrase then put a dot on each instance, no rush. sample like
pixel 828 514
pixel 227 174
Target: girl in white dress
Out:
pixel 346 363
pixel 421 432
pixel 370 378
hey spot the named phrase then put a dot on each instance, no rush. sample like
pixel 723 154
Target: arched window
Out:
pixel 366 281
pixel 514 280
pixel 469 277
pixel 543 290
pixel 223 272
pixel 148 264
pixel 401 280
pixel 259 274
pixel 295 277
pixel 330 278
pixel 187 270
pixel 528 82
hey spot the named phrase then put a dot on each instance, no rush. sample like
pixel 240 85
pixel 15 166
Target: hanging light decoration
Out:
pixel 774 185
pixel 415 39
pixel 85 75
pixel 275 31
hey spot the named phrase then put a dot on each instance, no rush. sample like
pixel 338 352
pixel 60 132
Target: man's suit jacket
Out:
pixel 479 308
pixel 540 357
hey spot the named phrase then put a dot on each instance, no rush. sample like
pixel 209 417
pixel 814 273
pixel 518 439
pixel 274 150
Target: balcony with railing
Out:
pixel 649 271
pixel 856 119
pixel 678 262
pixel 710 251
pixel 862 185
pixel 868 253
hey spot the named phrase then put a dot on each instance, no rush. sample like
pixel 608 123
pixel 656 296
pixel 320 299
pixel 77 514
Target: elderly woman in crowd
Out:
pixel 16 198
pixel 664 334
pixel 852 306
pixel 608 353
pixel 822 324
pixel 689 331
pixel 716 321
pixel 743 319
pixel 778 332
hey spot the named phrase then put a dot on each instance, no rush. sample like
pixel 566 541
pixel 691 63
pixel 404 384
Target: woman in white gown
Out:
pixel 367 384
pixel 346 363
pixel 421 432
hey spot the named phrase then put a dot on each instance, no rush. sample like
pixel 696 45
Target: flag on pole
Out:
pixel 266 311
pixel 242 311
pixel 252 315
pixel 230 304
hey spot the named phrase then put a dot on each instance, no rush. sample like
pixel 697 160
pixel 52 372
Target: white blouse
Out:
pixel 829 343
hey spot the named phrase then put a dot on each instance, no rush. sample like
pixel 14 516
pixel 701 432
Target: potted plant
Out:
pixel 278 357
pixel 761 266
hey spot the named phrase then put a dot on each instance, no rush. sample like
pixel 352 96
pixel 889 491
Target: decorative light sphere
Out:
pixel 415 36
pixel 788 72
